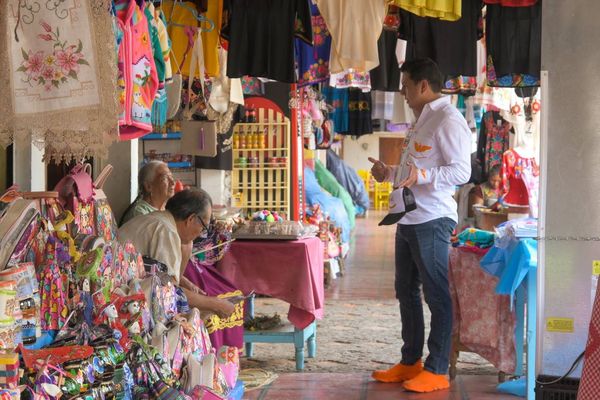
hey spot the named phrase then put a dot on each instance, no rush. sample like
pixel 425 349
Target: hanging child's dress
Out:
pixel 520 180
pixel 138 78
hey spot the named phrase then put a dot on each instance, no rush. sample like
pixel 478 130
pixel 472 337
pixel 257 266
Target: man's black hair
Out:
pixel 188 202
pixel 424 69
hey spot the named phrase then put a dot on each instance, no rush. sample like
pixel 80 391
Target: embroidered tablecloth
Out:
pixel 291 271
pixel 482 318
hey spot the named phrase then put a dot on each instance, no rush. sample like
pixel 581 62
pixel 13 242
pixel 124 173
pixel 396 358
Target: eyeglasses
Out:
pixel 207 228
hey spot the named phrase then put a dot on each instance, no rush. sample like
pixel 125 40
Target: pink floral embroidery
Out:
pixel 68 60
pixel 52 68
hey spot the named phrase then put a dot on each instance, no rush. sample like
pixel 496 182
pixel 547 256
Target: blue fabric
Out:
pixel 511 264
pixel 517 387
pixel 45 340
pixel 422 258
pixel 349 179
pixel 330 205
pixel 237 393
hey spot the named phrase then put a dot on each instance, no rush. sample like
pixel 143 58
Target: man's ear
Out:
pixel 424 85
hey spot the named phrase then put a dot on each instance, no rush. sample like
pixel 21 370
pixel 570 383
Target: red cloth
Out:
pixel 589 385
pixel 291 271
pixel 482 318
pixel 512 3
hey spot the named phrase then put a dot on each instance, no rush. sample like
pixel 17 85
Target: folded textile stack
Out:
pixel 9 369
pixel 472 237
pixel 520 228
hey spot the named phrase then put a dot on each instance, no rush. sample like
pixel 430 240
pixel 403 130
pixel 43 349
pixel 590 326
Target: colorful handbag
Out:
pixel 87 202
pixel 17 227
pixel 106 224
pixel 53 290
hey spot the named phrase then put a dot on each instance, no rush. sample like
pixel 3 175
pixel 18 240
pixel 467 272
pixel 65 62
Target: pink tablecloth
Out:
pixel 483 319
pixel 291 271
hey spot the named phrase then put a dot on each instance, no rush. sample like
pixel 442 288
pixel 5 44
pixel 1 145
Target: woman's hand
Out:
pixel 189 285
pixel 223 308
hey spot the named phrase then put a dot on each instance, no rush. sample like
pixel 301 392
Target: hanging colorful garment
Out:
pixel 355 47
pixel 493 141
pixel 520 180
pixel 514 45
pixel 452 45
pixel 338 99
pixel 447 10
pixel 313 61
pixel 359 112
pixel 60 87
pixel 351 79
pixel 159 105
pixel 138 78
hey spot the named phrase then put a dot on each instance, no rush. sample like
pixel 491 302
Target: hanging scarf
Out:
pixel 61 76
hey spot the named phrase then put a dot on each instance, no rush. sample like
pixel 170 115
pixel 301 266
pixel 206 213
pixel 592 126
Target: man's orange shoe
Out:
pixel 427 382
pixel 398 373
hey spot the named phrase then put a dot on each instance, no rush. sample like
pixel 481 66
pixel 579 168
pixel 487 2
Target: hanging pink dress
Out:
pixel 520 180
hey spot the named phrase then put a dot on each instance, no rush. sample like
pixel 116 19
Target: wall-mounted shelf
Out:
pixel 270 149
pixel 163 136
pixel 165 146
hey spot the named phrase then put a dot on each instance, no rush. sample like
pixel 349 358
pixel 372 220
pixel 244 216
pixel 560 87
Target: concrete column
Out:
pixel 29 169
pixel 121 187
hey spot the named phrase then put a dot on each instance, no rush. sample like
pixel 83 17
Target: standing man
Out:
pixel 436 156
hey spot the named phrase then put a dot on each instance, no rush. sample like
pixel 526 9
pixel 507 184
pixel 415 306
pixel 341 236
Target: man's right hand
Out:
pixel 378 170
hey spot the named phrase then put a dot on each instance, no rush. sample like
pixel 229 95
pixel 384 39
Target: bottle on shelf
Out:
pixel 236 140
pixel 242 140
pixel 263 139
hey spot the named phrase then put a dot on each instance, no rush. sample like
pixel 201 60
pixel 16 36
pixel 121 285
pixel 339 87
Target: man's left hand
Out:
pixel 412 178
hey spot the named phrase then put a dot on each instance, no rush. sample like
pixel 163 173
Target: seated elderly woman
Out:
pixel 156 186
pixel 160 235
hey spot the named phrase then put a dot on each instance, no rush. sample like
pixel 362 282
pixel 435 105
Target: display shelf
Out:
pixel 163 136
pixel 165 146
pixel 259 183
pixel 260 168
pixel 268 149
pixel 259 187
pixel 180 165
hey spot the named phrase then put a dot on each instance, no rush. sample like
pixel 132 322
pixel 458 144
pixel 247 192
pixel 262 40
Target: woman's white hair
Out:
pixel 147 174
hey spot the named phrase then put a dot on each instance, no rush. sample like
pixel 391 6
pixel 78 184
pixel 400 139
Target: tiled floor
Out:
pixel 315 386
pixel 369 275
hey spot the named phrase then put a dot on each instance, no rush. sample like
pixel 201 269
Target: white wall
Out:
pixel 357 152
pixel 121 186
pixel 571 103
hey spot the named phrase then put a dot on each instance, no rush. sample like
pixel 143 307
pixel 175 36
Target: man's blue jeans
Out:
pixel 422 258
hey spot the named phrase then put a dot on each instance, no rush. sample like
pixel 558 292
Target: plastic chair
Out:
pixel 382 195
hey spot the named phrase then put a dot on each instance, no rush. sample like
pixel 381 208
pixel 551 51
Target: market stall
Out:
pixel 256 101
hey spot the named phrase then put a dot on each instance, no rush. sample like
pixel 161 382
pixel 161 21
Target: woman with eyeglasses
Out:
pixel 166 236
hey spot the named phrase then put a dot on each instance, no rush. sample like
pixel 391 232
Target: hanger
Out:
pixel 199 17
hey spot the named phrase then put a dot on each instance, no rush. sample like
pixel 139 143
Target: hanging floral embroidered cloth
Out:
pixel 61 81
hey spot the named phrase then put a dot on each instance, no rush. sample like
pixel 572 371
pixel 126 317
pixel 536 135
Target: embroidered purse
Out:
pixel 17 228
